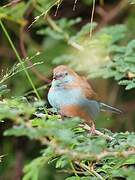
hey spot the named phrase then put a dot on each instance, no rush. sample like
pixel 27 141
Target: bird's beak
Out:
pixel 55 77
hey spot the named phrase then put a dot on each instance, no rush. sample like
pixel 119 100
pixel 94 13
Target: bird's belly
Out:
pixel 63 97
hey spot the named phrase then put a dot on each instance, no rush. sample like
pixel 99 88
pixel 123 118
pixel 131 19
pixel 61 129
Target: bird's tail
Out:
pixel 105 107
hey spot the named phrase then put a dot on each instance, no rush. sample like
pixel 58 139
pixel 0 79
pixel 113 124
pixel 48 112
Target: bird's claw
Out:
pixel 92 129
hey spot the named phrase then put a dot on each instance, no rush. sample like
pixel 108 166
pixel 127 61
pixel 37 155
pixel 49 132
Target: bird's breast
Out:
pixel 59 97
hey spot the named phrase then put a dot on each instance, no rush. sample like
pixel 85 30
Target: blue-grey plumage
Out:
pixel 60 96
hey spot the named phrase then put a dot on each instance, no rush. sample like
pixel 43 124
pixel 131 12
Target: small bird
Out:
pixel 73 96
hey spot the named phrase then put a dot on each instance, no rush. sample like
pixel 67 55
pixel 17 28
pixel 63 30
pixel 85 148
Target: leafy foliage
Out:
pixel 104 54
pixel 67 143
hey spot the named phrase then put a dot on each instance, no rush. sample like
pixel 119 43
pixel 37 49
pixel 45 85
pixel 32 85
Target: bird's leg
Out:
pixel 92 129
pixel 88 128
pixel 63 116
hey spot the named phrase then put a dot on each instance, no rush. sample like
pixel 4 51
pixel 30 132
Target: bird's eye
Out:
pixel 66 73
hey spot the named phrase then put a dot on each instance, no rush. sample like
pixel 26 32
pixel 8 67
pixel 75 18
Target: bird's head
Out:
pixel 63 75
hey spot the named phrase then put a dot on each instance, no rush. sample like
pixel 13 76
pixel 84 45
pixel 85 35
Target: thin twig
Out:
pixel 90 170
pixel 1 157
pixel 75 3
pixel 74 170
pixel 43 14
pixel 91 20
pixel 57 8
pixel 13 2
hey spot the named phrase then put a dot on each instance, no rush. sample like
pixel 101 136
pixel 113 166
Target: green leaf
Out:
pixel 62 162
pixel 3 90
pixel 131 140
pixel 32 170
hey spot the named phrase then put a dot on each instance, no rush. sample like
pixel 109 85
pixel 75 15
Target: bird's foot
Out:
pixel 92 129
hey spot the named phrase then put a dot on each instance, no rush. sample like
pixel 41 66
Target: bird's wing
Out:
pixel 81 82
pixel 88 91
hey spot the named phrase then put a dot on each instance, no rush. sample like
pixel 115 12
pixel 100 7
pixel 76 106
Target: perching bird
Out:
pixel 73 96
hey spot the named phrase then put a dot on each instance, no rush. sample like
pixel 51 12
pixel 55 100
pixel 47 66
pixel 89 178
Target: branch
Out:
pixel 19 165
pixel 1 157
pixel 12 3
pixel 90 170
pixel 97 132
pixel 74 155
pixel 108 17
